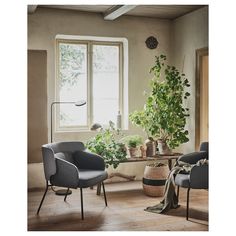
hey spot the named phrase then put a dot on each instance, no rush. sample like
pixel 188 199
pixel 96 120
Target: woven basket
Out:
pixel 154 179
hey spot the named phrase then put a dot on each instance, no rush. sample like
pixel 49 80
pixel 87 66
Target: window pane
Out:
pixel 105 83
pixel 73 83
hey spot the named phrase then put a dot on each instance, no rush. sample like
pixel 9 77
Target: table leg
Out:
pixel 99 189
pixel 170 164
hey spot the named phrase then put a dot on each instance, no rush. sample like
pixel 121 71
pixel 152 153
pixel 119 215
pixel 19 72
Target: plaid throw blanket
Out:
pixel 170 200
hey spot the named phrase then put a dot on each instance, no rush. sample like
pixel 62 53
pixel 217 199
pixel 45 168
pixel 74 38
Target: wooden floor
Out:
pixel 125 211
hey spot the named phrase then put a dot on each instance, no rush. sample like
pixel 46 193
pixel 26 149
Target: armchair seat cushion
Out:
pixel 89 178
pixel 182 180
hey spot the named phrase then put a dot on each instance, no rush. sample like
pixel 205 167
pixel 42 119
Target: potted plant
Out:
pixel 133 142
pixel 140 119
pixel 164 114
pixel 106 144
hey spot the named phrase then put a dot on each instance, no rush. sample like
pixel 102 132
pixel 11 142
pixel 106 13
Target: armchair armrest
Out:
pixel 67 174
pixel 88 160
pixel 193 158
pixel 49 162
pixel 199 177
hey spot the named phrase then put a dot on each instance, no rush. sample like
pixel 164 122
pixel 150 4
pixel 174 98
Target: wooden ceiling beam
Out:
pixel 117 11
pixel 32 8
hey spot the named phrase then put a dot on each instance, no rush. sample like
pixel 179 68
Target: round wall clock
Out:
pixel 151 42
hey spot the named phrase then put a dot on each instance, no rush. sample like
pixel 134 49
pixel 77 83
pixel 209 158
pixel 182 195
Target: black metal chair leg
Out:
pixel 82 207
pixel 187 208
pixel 178 192
pixel 66 194
pixel 104 192
pixel 42 198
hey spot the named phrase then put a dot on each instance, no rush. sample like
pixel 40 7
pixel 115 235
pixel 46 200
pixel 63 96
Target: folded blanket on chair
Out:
pixel 170 200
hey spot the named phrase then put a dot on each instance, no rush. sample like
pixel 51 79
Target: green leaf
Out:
pixel 187 94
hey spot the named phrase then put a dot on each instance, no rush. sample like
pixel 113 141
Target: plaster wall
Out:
pixel 37 104
pixel 189 33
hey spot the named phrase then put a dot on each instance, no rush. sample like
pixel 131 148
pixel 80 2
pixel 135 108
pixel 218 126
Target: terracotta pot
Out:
pixel 163 147
pixel 134 152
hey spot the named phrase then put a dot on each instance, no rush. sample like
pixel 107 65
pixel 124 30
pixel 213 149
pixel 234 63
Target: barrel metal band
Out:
pixel 154 182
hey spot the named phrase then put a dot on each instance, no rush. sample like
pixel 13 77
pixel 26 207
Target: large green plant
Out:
pixel 164 114
pixel 105 144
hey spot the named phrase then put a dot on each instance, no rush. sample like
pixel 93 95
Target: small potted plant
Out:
pixel 133 143
pixel 140 119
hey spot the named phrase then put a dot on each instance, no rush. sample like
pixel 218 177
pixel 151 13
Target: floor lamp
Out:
pixel 78 103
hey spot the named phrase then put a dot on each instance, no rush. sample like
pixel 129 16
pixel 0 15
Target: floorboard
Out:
pixel 125 211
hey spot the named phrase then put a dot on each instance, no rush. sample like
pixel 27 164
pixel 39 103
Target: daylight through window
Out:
pixel 91 71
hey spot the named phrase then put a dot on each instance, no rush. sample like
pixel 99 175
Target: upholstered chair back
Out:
pixel 62 150
pixel 204 147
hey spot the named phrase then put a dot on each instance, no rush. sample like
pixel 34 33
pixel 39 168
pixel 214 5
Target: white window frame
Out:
pixel 122 43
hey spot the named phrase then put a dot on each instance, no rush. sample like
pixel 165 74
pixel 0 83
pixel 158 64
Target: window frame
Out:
pixel 90 44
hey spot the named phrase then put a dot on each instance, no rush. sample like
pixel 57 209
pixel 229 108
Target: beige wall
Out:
pixel 37 104
pixel 189 32
pixel 45 24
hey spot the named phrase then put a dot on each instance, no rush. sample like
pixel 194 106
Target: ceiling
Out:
pixel 158 11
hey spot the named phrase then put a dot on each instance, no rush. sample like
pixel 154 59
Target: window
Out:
pixel 90 70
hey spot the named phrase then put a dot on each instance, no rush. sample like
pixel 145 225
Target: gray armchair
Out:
pixel 70 165
pixel 198 177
